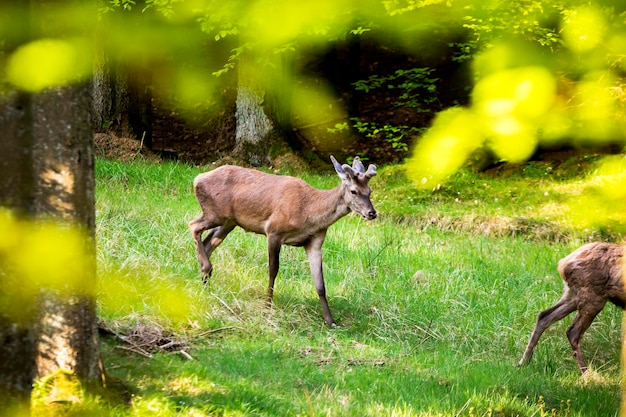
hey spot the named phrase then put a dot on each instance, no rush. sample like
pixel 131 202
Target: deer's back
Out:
pixel 251 197
pixel 596 269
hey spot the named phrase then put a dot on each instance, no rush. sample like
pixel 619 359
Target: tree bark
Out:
pixel 254 130
pixel 110 98
pixel 139 90
pixel 47 172
pixel 122 99
pixel 16 366
pixel 122 88
pixel 17 345
pixel 64 188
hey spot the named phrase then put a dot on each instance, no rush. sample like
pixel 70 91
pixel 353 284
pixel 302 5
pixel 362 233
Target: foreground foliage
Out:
pixel 435 301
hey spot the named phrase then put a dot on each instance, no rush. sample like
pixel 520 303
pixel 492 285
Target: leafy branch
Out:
pixel 396 136
pixel 418 87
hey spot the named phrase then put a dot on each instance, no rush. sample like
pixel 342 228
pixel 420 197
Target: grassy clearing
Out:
pixel 435 302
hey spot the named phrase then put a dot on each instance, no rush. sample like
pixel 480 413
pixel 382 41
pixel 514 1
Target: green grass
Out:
pixel 435 302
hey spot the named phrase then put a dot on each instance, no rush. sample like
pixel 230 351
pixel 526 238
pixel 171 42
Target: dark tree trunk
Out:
pixel 122 99
pixel 139 90
pixel 67 324
pixel 110 98
pixel 47 171
pixel 122 89
pixel 139 85
pixel 17 345
pixel 17 365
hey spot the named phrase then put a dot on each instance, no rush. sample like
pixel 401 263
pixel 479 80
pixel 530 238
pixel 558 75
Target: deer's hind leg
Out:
pixel 586 314
pixel 546 318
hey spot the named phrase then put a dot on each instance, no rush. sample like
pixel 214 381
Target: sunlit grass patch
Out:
pixel 434 301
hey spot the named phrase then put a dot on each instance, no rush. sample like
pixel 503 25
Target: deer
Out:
pixel 285 209
pixel 592 275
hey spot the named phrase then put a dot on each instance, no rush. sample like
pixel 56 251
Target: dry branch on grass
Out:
pixel 146 339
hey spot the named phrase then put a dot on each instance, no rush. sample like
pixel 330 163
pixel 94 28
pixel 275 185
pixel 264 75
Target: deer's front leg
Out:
pixel 197 227
pixel 314 253
pixel 274 243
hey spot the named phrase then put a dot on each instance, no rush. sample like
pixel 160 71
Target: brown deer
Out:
pixel 593 274
pixel 285 209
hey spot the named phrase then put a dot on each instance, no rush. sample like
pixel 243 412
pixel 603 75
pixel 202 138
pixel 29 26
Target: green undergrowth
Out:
pixel 435 301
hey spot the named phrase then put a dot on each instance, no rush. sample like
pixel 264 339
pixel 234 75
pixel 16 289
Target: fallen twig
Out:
pixel 136 350
pixel 227 306
pixel 185 355
pixel 219 329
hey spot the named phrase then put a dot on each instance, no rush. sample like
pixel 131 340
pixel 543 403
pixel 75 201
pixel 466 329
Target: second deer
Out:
pixel 287 210
pixel 593 274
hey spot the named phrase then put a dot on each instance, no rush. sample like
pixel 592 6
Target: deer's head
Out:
pixel 355 186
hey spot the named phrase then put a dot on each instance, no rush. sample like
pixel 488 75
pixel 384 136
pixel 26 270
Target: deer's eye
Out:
pixel 353 192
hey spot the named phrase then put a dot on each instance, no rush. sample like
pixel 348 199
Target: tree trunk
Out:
pixel 122 99
pixel 110 98
pixel 62 154
pixel 64 188
pixel 122 89
pixel 17 365
pixel 254 128
pixel 139 90
pixel 47 171
pixel 17 346
pixel 67 338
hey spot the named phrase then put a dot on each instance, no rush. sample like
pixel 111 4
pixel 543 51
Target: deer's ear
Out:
pixel 336 164
pixel 340 169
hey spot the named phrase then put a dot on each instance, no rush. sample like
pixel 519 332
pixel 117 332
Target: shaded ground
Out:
pixel 194 148
pixel 208 135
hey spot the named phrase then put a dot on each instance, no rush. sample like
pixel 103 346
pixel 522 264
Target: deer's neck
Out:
pixel 328 206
